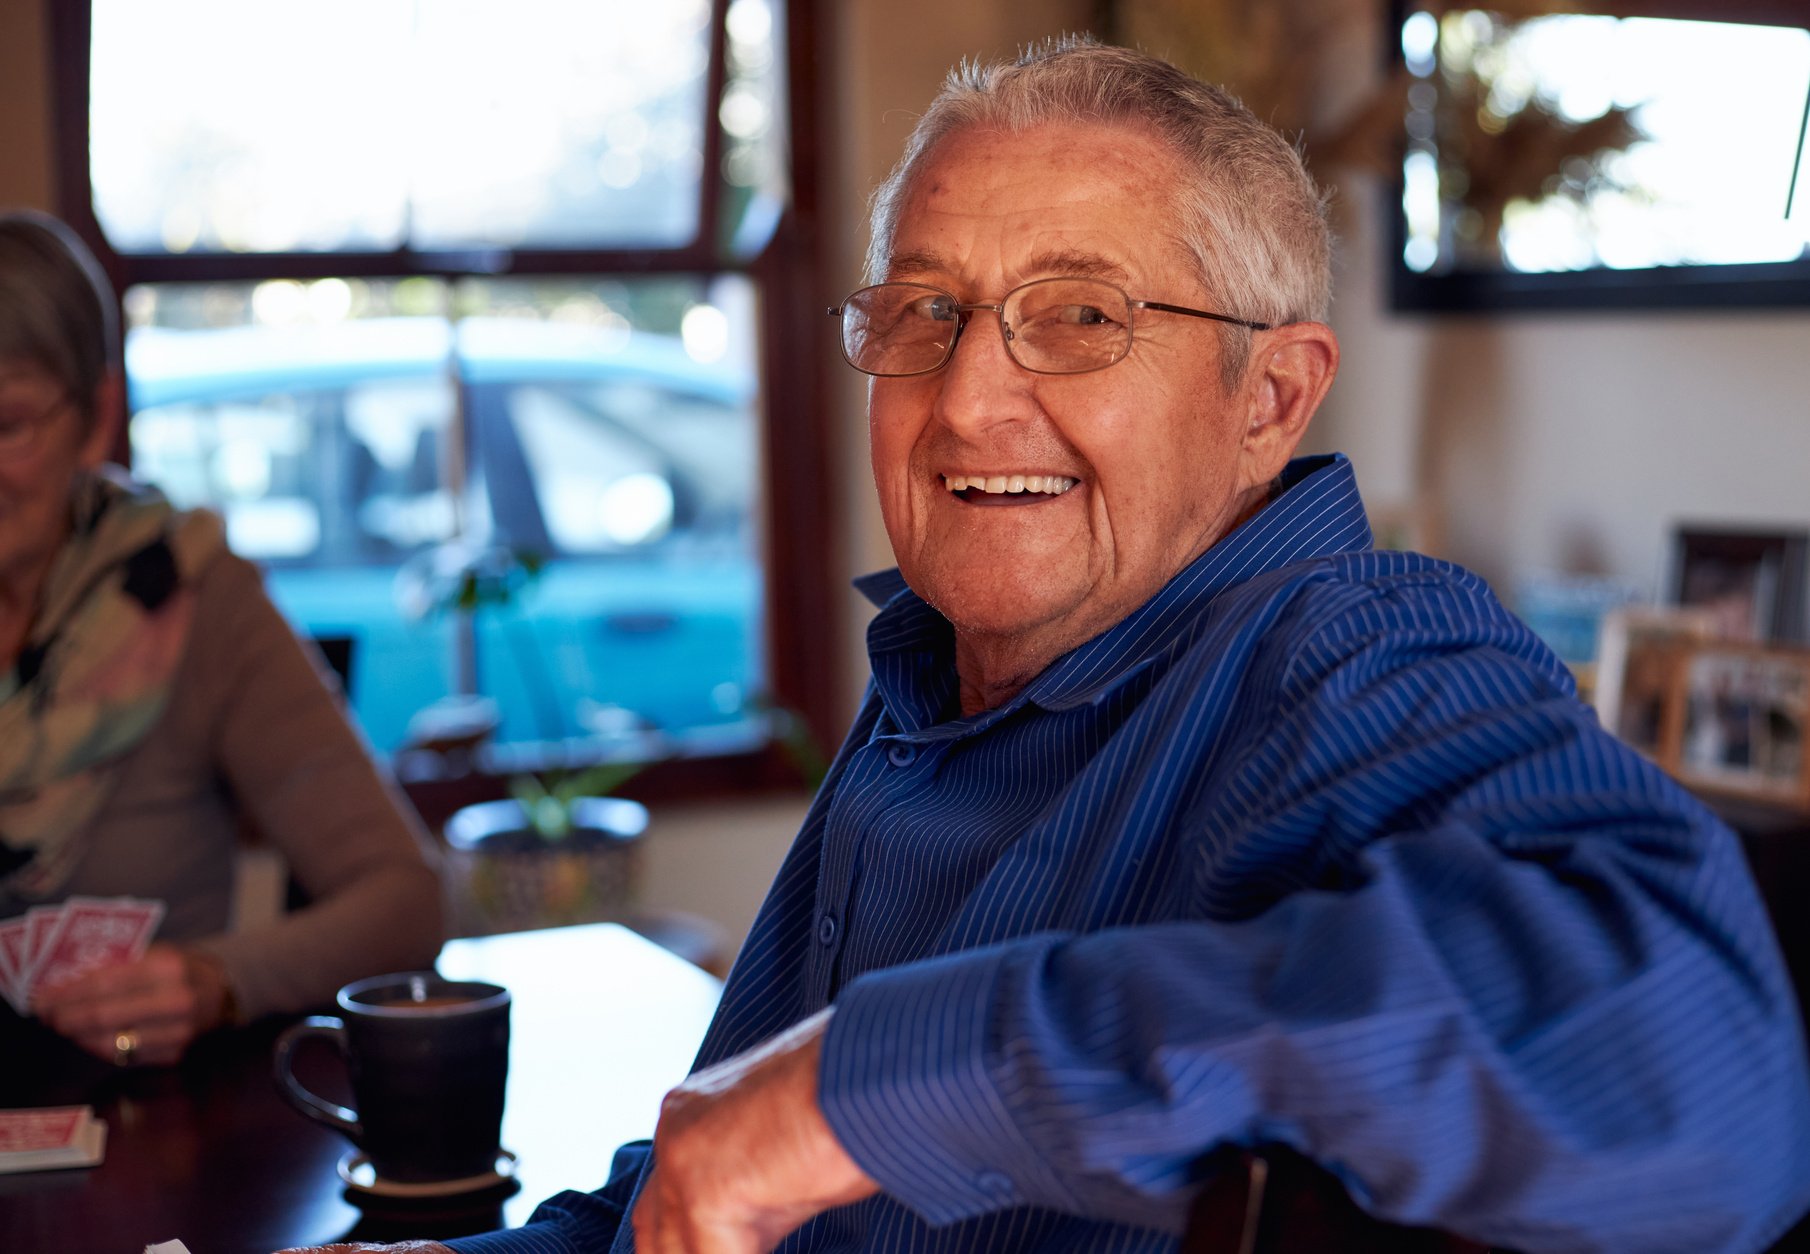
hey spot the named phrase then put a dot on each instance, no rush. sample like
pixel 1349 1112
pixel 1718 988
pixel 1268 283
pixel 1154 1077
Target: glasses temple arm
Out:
pixel 1201 313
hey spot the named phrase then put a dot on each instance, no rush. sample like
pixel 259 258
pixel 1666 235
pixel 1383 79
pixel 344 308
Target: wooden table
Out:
pixel 603 1023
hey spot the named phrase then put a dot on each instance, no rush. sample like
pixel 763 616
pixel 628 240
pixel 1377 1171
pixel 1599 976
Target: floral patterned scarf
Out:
pixel 95 673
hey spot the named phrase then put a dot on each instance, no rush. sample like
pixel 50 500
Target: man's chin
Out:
pixel 1007 616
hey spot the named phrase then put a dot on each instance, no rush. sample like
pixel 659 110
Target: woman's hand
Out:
pixel 138 1012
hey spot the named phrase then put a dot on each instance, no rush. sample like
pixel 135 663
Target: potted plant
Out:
pixel 560 850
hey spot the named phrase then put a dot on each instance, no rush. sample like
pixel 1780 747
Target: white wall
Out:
pixel 715 860
pixel 1569 442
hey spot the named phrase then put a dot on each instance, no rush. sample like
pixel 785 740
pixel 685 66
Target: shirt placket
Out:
pixel 885 772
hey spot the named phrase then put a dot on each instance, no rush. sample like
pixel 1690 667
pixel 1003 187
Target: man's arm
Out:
pixel 1528 995
pixel 743 1155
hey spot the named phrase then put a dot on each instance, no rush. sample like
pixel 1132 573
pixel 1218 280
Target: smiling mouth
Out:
pixel 1007 489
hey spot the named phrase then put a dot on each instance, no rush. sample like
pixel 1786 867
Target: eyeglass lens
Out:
pixel 1054 326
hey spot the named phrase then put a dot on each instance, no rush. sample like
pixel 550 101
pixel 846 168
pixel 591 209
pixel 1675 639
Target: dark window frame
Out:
pixel 802 616
pixel 1775 285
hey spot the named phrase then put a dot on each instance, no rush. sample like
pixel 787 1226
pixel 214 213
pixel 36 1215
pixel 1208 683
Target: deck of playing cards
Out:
pixel 51 1136
pixel 50 944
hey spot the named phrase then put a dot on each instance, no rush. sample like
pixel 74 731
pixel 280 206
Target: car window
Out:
pixel 323 477
pixel 601 487
pixel 248 457
pixel 398 433
pixel 396 472
pixel 709 440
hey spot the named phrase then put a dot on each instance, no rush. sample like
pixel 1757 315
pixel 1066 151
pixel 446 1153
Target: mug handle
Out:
pixel 299 1095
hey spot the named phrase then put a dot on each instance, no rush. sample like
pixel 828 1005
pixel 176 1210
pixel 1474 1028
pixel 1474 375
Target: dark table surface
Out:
pixel 602 1024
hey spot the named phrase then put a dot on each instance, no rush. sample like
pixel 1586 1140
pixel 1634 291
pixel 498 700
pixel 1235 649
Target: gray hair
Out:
pixel 1250 214
pixel 57 309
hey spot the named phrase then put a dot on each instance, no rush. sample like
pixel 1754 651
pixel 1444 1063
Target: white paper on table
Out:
pixel 167 1247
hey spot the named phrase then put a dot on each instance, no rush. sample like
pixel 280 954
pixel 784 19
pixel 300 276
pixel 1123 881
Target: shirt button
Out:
pixel 902 754
pixel 995 1185
pixel 826 929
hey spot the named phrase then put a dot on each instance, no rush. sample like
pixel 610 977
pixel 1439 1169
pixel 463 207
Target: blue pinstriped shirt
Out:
pixel 1317 848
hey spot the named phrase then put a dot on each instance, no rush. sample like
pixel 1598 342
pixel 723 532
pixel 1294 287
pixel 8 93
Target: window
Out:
pixel 425 297
pixel 1615 159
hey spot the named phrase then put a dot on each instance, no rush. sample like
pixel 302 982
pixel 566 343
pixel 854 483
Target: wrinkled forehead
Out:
pixel 1094 200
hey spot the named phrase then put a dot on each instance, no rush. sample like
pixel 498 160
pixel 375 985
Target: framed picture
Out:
pixel 1745 722
pixel 1754 582
pixel 1641 653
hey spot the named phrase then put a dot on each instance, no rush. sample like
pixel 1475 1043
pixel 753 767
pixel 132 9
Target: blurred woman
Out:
pixel 153 703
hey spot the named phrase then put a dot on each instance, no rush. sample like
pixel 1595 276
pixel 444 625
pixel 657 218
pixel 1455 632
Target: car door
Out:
pixel 636 490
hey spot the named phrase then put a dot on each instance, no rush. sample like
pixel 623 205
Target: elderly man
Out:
pixel 1176 817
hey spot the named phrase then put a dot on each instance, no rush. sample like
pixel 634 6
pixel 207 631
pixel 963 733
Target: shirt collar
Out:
pixel 912 647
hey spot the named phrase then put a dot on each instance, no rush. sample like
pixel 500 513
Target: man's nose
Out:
pixel 981 384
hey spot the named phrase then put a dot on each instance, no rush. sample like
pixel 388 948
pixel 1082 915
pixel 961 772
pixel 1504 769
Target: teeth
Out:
pixel 1052 485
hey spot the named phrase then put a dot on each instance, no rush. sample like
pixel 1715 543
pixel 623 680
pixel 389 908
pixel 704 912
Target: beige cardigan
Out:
pixel 254 735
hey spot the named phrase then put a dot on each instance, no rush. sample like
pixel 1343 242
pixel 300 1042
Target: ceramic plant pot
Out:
pixel 502 875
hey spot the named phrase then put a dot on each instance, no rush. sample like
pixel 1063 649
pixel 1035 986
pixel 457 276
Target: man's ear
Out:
pixel 1291 368
pixel 105 441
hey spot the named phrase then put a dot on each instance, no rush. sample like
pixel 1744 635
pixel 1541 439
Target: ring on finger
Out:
pixel 125 1047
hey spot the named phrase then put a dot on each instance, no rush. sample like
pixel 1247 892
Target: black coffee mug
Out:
pixel 428 1059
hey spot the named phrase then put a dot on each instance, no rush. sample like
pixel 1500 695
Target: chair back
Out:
pixel 1279 1202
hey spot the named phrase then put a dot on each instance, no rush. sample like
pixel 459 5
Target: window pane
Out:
pixel 379 459
pixel 560 122
pixel 317 418
pixel 1572 142
pixel 752 115
pixel 357 125
pixel 615 424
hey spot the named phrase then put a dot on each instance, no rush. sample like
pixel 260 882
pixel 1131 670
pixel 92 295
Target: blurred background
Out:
pixel 497 337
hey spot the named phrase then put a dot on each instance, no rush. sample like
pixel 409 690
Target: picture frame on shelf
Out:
pixel 1753 581
pixel 1744 726
pixel 1640 655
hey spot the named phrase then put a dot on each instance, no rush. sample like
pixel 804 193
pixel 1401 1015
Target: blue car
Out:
pixel 592 491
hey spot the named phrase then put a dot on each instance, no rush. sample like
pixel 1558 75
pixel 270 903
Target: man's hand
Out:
pixel 743 1155
pixel 362 1247
pixel 163 1001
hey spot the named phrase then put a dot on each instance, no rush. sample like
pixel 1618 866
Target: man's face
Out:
pixel 1153 444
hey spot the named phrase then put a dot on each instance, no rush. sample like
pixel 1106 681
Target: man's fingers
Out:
pixel 743 1155
pixel 669 1226
pixel 361 1247
pixel 707 1237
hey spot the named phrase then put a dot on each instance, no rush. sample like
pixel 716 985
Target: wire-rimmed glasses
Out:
pixel 1051 326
